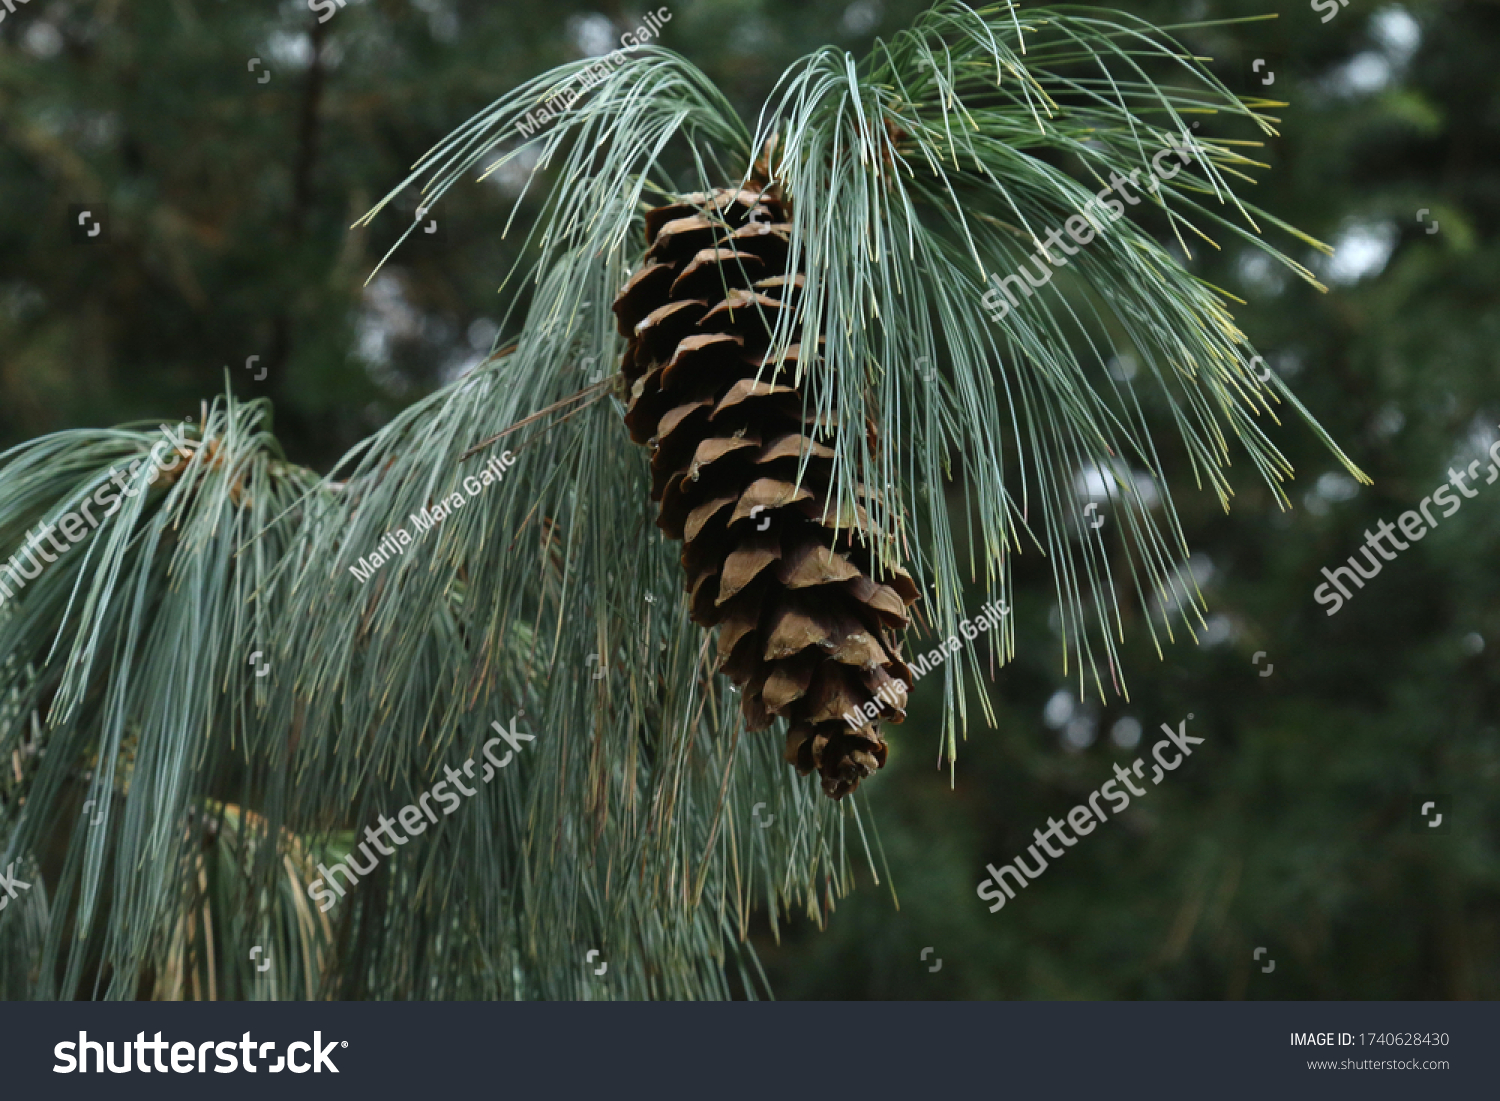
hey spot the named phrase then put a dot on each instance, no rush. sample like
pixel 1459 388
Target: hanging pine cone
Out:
pixel 805 616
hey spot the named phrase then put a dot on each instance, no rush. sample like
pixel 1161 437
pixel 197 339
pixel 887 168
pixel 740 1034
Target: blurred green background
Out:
pixel 226 199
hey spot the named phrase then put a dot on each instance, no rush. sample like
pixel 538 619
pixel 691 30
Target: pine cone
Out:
pixel 805 624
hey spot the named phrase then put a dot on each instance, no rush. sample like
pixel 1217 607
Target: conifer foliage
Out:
pixel 834 424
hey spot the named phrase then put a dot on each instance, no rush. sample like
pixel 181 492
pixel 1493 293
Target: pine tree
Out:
pixel 856 319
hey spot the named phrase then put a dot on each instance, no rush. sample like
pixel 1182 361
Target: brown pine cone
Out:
pixel 805 627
